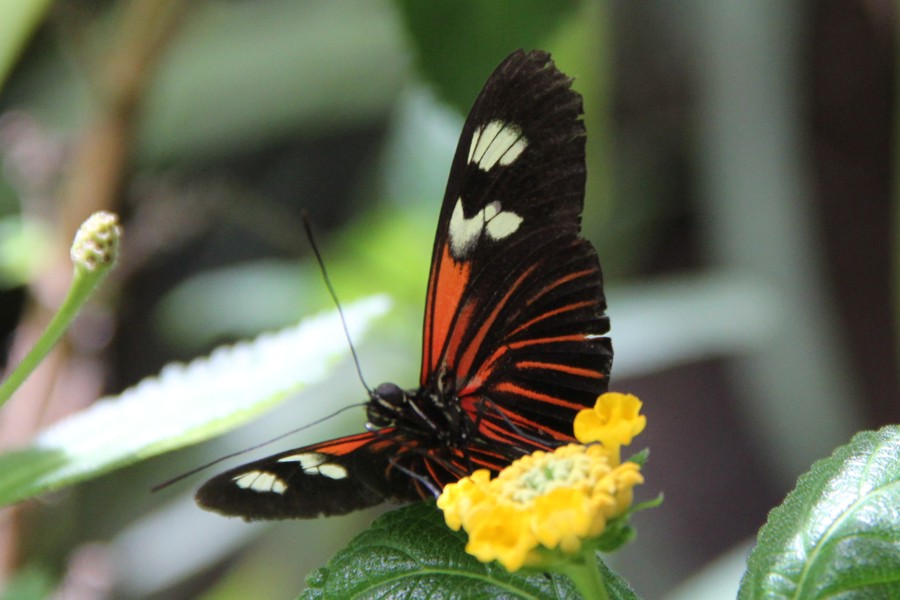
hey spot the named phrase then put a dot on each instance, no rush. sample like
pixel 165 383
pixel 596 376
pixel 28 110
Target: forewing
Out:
pixel 515 310
pixel 330 478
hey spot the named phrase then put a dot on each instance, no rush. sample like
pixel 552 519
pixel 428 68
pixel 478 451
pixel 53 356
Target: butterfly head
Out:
pixel 423 412
pixel 386 405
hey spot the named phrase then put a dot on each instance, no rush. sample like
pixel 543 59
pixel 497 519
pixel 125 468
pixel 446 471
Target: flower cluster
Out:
pixel 96 242
pixel 551 500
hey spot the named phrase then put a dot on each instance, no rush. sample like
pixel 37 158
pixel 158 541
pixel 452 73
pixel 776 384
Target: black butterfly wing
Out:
pixel 339 476
pixel 330 478
pixel 515 311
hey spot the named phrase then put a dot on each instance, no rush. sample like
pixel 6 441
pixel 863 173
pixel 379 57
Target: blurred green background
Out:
pixel 740 196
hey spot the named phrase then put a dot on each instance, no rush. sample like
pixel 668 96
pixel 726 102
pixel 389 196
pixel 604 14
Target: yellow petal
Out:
pixel 614 421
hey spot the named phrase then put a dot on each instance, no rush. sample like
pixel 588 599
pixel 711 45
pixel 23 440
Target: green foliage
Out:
pixel 838 533
pixel 24 246
pixel 248 75
pixel 17 22
pixel 411 553
pixel 31 583
pixel 240 299
pixel 93 253
pixel 469 32
pixel 184 405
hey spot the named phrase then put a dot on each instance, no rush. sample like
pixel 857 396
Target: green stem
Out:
pixel 84 283
pixel 585 574
pixel 94 252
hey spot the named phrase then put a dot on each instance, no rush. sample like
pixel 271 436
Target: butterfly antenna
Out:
pixel 433 489
pixel 203 467
pixel 304 216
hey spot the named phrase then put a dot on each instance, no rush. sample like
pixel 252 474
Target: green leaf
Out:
pixel 461 41
pixel 30 583
pixel 838 533
pixel 411 553
pixel 24 250
pixel 184 404
pixel 618 530
pixel 18 20
pixel 241 74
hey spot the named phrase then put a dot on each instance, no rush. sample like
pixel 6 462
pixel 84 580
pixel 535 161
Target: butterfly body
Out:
pixel 513 341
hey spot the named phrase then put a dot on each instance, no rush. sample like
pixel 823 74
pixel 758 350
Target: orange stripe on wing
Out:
pixel 472 406
pixel 512 388
pixel 574 337
pixel 346 445
pixel 484 456
pixel 461 326
pixel 495 431
pixel 484 371
pixel 553 313
pixel 558 282
pixel 429 466
pixel 464 366
pixel 475 381
pixel 503 428
pixel 443 302
pixel 534 364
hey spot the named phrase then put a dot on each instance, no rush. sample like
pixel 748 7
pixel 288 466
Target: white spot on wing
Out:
pixel 464 233
pixel 307 460
pixel 260 481
pixel 333 471
pixel 503 225
pixel 314 463
pixel 496 142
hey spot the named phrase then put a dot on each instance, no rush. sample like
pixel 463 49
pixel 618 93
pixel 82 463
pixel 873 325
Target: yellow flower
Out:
pixel 459 498
pixel 544 501
pixel 499 532
pixel 614 421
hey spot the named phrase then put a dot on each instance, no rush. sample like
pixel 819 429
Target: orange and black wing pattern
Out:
pixel 515 317
pixel 515 311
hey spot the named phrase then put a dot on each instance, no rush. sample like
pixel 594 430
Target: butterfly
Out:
pixel 515 316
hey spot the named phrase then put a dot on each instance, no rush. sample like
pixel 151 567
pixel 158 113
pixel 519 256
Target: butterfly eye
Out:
pixel 386 406
pixel 389 393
